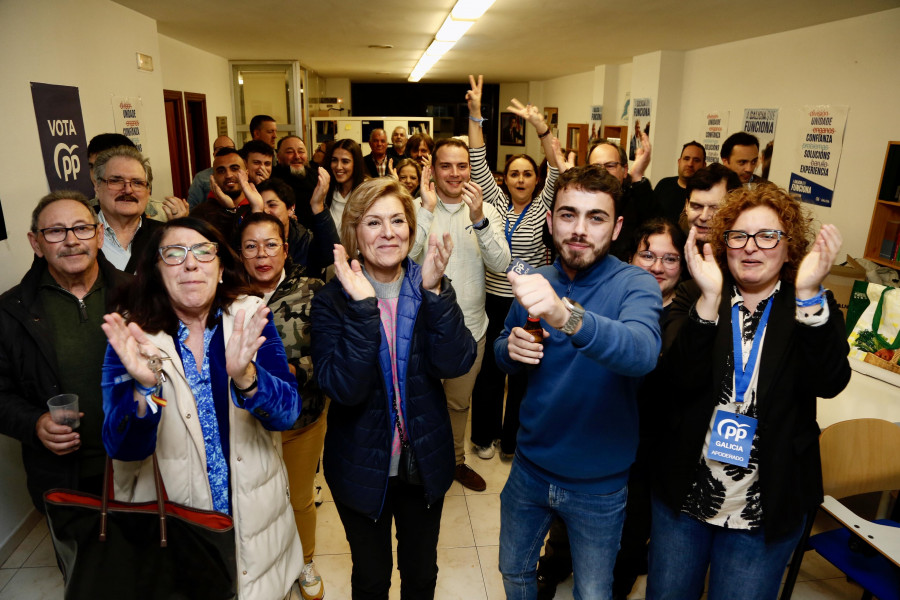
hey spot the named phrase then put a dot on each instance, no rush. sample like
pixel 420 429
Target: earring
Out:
pixel 221 280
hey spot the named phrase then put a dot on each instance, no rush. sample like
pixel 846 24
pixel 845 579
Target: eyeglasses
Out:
pixel 175 255
pixel 669 261
pixel 117 184
pixel 765 239
pixel 610 165
pixel 251 249
pixel 54 235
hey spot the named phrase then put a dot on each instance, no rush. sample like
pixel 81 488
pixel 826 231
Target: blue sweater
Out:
pixel 579 420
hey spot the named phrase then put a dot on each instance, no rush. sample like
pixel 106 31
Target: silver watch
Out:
pixel 574 319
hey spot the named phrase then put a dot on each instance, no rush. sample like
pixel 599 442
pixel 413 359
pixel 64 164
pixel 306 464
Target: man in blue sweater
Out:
pixel 579 424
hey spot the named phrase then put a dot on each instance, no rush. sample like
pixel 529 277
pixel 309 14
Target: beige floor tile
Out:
pixel 456 528
pixel 459 575
pixel 335 572
pixel 456 489
pixel 495 472
pixel 326 493
pixel 31 541
pixel 827 589
pixel 639 591
pixel 815 567
pixel 5 576
pixel 493 581
pixel 484 512
pixel 41 583
pixel 330 537
pixel 43 555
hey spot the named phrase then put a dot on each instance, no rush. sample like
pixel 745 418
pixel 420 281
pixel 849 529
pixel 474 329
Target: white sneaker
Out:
pixel 311 586
pixel 485 452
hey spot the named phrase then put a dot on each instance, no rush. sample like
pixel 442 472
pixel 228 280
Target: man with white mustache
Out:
pixel 51 343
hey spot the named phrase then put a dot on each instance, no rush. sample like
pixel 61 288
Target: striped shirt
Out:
pixel 526 238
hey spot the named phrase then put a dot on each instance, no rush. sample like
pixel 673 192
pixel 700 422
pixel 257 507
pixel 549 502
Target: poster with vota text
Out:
pixel 57 109
pixel 127 117
pixel 714 128
pixel 761 123
pixel 814 169
pixel 640 121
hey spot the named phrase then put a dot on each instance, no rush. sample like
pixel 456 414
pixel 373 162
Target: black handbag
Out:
pixel 158 549
pixel 408 467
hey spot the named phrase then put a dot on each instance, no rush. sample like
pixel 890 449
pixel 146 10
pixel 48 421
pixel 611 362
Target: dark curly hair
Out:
pixel 796 221
pixel 146 302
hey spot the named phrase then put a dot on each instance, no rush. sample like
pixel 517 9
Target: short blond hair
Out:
pixel 361 200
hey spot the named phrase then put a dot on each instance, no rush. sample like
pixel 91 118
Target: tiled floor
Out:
pixel 467 554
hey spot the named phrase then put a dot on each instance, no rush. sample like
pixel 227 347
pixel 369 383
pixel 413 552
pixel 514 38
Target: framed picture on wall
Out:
pixel 551 116
pixel 512 129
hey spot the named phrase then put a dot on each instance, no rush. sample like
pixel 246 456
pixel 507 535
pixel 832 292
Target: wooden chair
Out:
pixel 858 457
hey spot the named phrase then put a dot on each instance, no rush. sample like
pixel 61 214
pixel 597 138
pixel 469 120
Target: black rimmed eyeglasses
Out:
pixel 765 239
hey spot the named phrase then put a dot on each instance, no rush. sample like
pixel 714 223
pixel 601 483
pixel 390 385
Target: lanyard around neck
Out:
pixel 743 375
pixel 509 232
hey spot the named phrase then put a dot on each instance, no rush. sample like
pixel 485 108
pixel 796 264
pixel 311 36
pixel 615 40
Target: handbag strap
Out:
pixel 109 493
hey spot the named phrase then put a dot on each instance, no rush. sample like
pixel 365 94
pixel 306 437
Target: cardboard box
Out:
pixel 840 281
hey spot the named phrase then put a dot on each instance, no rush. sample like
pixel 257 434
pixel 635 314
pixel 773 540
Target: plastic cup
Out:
pixel 64 410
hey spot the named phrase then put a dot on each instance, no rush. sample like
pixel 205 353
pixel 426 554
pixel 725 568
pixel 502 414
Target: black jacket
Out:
pixel 140 241
pixel 432 343
pixel 29 376
pixel 798 364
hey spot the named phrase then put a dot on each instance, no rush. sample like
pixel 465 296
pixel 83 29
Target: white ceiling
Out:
pixel 515 41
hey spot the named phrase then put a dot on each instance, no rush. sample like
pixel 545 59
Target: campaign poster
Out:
pixel 128 118
pixel 596 121
pixel 814 169
pixel 761 123
pixel 57 109
pixel 640 119
pixel 714 128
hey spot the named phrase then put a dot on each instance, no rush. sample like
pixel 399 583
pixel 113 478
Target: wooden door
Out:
pixel 178 153
pixel 197 131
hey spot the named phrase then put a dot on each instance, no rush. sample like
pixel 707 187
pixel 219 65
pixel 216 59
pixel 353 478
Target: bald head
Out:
pixel 223 141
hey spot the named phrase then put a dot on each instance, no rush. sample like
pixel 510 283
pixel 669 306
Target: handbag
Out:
pixel 145 550
pixel 408 468
pixel 873 318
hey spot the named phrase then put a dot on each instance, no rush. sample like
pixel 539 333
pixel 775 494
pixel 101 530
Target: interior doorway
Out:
pixel 197 131
pixel 178 151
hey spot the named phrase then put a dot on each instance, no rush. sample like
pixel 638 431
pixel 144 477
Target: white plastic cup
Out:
pixel 64 410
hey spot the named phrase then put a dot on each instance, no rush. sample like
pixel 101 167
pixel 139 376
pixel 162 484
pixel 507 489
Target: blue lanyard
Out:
pixel 742 376
pixel 509 232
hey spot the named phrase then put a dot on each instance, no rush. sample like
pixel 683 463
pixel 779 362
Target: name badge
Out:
pixel 732 438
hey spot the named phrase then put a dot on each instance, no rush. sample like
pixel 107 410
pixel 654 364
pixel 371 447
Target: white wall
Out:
pixel 852 62
pixel 188 69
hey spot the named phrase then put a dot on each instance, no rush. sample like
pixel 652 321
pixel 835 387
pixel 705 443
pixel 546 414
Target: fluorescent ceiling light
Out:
pixel 470 9
pixel 452 30
pixel 438 48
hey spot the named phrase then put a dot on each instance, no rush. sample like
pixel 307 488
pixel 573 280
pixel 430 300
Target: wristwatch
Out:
pixel 574 319
pixel 481 224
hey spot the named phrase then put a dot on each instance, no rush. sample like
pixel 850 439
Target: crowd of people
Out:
pixel 358 308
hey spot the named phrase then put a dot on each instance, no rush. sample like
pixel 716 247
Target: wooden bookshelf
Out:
pixel 887 207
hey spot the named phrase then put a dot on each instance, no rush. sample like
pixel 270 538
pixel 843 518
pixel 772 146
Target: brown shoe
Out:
pixel 469 478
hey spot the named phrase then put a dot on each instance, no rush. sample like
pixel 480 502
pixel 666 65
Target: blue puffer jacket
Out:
pixel 353 366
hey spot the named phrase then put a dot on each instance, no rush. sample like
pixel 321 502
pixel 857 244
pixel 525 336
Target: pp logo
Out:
pixel 732 429
pixel 70 163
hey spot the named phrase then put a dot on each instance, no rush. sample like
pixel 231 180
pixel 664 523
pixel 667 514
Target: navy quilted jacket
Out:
pixel 352 363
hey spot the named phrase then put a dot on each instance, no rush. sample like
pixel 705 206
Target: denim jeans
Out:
pixel 528 504
pixel 742 565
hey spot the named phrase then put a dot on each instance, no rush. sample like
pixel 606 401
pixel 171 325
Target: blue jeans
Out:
pixel 742 565
pixel 527 506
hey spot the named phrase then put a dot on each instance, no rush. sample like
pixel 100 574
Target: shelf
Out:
pixel 884 211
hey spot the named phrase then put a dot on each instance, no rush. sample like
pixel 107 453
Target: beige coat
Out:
pixel 269 554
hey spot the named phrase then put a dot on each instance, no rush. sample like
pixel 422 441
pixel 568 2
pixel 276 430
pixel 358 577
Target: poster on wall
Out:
pixel 814 169
pixel 640 119
pixel 127 118
pixel 716 124
pixel 596 121
pixel 57 109
pixel 761 123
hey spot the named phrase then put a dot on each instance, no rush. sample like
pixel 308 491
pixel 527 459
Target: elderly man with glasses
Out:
pixel 123 181
pixel 51 343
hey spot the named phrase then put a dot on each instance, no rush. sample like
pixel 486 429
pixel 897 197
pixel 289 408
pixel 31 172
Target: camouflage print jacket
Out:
pixel 290 312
